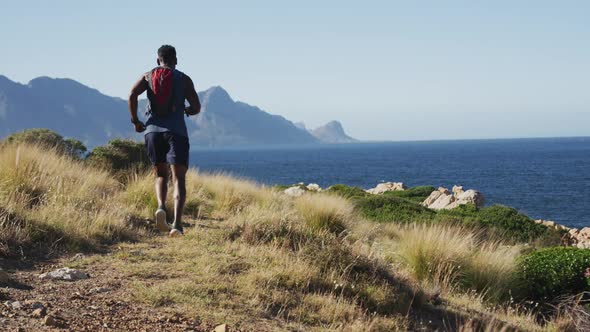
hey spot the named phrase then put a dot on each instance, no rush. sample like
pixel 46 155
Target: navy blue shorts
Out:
pixel 167 148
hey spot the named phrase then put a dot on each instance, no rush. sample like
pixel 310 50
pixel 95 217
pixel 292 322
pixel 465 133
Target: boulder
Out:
pixel 65 274
pixel 457 190
pixel 442 202
pixel 584 233
pixel 444 199
pixel 295 191
pixel 548 223
pixel 314 187
pixel 387 186
pixel 432 198
pixel 471 197
pixel 443 190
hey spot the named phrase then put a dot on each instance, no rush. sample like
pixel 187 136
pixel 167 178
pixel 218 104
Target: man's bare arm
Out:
pixel 137 90
pixel 192 97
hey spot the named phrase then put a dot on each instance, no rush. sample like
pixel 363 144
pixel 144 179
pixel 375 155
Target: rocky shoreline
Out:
pixel 445 199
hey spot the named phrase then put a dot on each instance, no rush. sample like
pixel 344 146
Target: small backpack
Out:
pixel 161 91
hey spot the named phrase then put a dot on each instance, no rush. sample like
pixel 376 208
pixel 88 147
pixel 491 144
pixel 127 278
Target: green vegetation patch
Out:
pixel 502 221
pixel 387 208
pixel 347 191
pixel 548 273
pixel 416 194
pixel 120 155
pixel 47 139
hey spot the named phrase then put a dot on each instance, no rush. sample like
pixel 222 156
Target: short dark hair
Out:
pixel 167 53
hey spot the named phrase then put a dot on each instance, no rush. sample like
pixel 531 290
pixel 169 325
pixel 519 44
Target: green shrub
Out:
pixel 347 191
pixel 501 221
pixel 417 194
pixel 283 187
pixel 120 155
pixel 494 222
pixel 515 224
pixel 385 208
pixel 48 139
pixel 548 273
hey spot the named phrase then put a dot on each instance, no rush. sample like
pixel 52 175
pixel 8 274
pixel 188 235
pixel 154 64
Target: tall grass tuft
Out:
pixel 452 256
pixel 327 212
pixel 51 200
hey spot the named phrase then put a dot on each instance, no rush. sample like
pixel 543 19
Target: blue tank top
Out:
pixel 173 122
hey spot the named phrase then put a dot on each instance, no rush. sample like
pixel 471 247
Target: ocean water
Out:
pixel 543 178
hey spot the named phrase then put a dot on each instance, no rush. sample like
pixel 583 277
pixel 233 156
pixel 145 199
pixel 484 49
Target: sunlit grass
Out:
pixel 52 199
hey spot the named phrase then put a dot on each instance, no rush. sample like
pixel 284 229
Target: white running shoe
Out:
pixel 175 232
pixel 161 224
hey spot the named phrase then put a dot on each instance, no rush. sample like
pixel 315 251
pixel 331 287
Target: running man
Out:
pixel 166 136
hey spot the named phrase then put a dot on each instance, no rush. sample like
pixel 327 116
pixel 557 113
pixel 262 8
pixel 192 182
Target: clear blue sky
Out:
pixel 387 69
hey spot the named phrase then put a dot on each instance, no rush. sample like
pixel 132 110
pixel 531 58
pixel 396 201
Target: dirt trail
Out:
pixel 102 302
pixel 105 301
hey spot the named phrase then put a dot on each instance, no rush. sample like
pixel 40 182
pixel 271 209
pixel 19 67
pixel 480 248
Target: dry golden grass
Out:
pixel 278 257
pixel 327 212
pixel 255 258
pixel 452 256
pixel 251 287
pixel 54 201
pixel 212 195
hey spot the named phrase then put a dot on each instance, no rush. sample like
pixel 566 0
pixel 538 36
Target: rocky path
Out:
pixel 99 303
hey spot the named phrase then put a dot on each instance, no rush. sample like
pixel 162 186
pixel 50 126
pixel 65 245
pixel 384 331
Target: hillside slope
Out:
pixel 252 257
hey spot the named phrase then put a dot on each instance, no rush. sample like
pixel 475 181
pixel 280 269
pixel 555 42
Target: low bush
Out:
pixel 548 273
pixel 416 194
pixel 120 155
pixel 47 139
pixel 502 221
pixel 386 208
pixel 347 191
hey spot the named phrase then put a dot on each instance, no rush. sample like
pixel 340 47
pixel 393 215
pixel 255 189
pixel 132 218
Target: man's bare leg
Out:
pixel 179 178
pixel 161 171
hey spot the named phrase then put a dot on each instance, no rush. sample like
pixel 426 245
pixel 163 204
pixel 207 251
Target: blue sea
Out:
pixel 545 178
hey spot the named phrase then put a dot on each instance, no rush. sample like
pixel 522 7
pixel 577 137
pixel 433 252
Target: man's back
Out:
pixel 173 119
pixel 166 135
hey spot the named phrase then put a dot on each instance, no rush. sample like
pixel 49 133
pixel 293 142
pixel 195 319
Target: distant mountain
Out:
pixel 65 106
pixel 332 132
pixel 75 110
pixel 224 122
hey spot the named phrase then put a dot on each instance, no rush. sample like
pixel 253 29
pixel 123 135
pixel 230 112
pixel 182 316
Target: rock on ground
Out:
pixel 221 328
pixel 39 313
pixel 314 187
pixel 387 186
pixel 65 274
pixel 444 199
pixel 294 191
pixel 54 321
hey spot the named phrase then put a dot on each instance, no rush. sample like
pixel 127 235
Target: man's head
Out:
pixel 167 56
